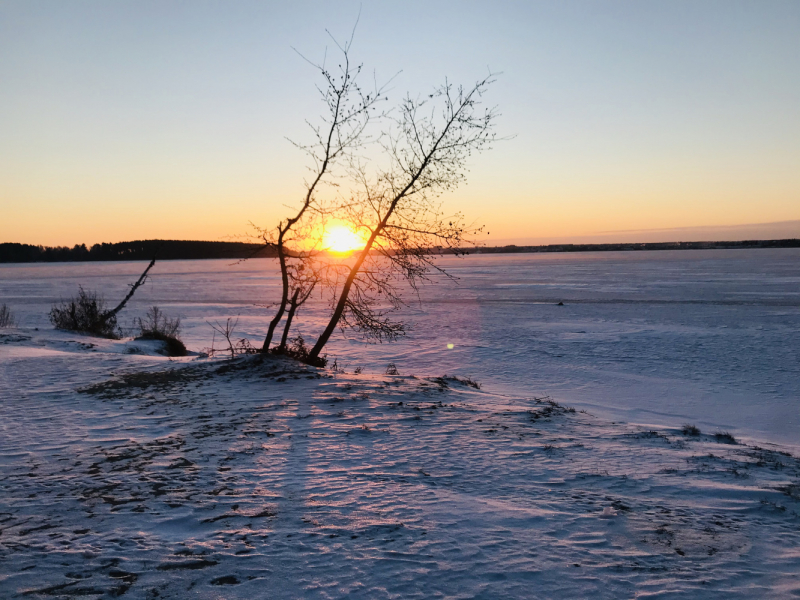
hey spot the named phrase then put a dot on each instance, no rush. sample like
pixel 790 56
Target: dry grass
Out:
pixel 691 430
pixel 157 326
pixel 6 318
pixel 724 437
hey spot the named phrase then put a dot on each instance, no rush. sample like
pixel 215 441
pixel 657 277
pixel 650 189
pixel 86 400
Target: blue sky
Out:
pixel 129 120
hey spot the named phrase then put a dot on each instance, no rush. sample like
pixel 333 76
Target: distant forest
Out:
pixel 790 243
pixel 138 250
pixel 183 250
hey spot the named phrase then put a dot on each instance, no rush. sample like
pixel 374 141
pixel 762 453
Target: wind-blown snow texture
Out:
pixel 125 474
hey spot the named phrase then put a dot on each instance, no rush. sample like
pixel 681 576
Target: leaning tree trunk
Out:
pixel 340 306
pixel 342 303
pixel 111 313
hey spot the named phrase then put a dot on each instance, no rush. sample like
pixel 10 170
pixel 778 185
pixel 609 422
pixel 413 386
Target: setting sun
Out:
pixel 342 239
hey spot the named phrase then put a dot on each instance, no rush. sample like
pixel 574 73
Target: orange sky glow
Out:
pixel 622 121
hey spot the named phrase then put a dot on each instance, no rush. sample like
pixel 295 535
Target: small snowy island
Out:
pixel 128 474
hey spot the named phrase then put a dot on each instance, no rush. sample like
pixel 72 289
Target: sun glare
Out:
pixel 342 239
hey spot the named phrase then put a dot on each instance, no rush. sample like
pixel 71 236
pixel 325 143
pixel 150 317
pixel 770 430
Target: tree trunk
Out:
pixel 134 287
pixel 284 296
pixel 289 317
pixel 340 306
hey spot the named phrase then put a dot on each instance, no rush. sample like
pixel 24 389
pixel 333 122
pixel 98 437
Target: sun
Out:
pixel 342 239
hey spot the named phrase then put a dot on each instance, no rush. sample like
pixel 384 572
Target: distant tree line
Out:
pixel 512 249
pixel 185 250
pixel 137 250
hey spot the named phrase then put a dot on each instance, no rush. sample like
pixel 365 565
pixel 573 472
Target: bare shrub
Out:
pixel 6 318
pixel 243 346
pixel 468 381
pixel 157 323
pixel 85 313
pixel 724 437
pixel 158 326
pixel 391 369
pixel 689 429
pixel 297 349
pixel 226 331
pixel 235 347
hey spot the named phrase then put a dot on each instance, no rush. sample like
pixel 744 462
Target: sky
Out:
pixel 623 120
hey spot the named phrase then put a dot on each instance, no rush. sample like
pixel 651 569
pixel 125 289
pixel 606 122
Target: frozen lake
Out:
pixel 708 337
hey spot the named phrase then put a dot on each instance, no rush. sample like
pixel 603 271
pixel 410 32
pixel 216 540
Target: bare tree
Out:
pixel 426 150
pixel 348 111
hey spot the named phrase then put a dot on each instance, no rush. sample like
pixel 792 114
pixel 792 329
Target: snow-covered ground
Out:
pixel 710 337
pixel 123 473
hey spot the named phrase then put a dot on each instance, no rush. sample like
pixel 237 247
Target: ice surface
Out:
pixel 710 337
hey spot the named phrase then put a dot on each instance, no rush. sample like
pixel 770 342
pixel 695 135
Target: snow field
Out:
pixel 128 475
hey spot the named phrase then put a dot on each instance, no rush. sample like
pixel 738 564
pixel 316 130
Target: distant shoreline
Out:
pixel 194 250
pixel 629 246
